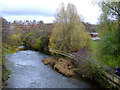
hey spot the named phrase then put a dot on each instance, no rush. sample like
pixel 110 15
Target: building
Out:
pixel 94 36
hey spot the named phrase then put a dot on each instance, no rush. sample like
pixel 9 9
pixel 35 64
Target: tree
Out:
pixel 5 30
pixel 108 51
pixel 112 9
pixel 15 40
pixel 29 40
pixel 69 32
pixel 15 37
pixel 109 46
pixel 42 43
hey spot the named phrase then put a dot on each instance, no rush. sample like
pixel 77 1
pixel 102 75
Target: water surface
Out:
pixel 28 71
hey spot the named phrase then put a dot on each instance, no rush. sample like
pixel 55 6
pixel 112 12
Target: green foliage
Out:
pixel 111 61
pixel 109 39
pixel 108 50
pixel 98 76
pixel 53 53
pixel 15 36
pixel 42 43
pixel 39 44
pixel 5 72
pixel 15 39
pixel 29 40
pixel 69 32
pixel 8 49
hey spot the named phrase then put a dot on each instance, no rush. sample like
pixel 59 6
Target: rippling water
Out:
pixel 28 71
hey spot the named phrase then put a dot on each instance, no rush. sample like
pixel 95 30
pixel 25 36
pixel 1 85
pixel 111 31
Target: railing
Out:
pixel 70 55
pixel 112 78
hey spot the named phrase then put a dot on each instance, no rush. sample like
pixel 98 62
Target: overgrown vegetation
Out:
pixel 69 35
pixel 108 49
pixel 42 44
pixel 69 32
pixel 29 40
pixel 5 72
pixel 9 44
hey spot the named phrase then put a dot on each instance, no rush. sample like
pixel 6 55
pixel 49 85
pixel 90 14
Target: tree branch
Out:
pixel 111 7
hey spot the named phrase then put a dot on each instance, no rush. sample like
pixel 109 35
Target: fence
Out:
pixel 110 77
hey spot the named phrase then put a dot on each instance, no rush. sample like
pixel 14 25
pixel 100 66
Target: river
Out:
pixel 28 71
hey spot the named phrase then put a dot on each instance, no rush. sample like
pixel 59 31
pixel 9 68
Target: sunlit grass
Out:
pixel 94 49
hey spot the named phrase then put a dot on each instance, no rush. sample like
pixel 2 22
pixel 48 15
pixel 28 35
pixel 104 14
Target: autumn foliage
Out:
pixel 69 33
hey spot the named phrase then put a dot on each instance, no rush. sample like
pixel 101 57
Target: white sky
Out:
pixel 45 10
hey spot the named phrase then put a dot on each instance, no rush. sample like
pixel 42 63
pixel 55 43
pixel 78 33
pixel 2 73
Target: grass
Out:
pixel 94 46
pixel 107 60
pixel 94 49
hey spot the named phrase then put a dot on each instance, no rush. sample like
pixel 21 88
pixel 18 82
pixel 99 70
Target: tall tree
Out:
pixel 110 25
pixel 113 10
pixel 69 32
pixel 5 30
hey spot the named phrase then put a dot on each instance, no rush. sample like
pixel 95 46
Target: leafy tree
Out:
pixel 42 43
pixel 15 39
pixel 29 40
pixel 69 32
pixel 15 36
pixel 109 45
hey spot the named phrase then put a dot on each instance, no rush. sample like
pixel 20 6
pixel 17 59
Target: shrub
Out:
pixel 108 50
pixel 5 72
pixel 42 43
pixel 29 40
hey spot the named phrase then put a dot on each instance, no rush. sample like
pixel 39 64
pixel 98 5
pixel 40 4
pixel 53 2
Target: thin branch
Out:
pixel 111 7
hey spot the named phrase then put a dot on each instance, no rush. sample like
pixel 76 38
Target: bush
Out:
pixel 42 43
pixel 15 40
pixel 108 51
pixel 5 72
pixel 29 40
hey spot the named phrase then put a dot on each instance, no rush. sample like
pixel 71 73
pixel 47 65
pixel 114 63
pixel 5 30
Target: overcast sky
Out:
pixel 45 10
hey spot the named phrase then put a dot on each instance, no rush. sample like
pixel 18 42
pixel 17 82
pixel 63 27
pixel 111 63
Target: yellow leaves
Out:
pixel 69 32
pixel 8 49
pixel 80 38
pixel 15 37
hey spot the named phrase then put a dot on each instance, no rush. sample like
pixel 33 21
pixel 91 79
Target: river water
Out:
pixel 28 71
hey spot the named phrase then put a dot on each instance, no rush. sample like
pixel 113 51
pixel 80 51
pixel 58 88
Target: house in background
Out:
pixel 47 27
pixel 94 36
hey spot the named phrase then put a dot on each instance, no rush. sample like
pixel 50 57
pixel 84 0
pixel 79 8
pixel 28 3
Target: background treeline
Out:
pixel 69 34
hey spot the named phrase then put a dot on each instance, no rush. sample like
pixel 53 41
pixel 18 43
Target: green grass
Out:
pixel 107 60
pixel 112 62
pixel 94 46
pixel 94 49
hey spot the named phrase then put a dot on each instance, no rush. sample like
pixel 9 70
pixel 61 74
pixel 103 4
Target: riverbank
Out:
pixel 6 72
pixel 71 68
pixel 28 71
pixel 68 68
pixel 62 65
